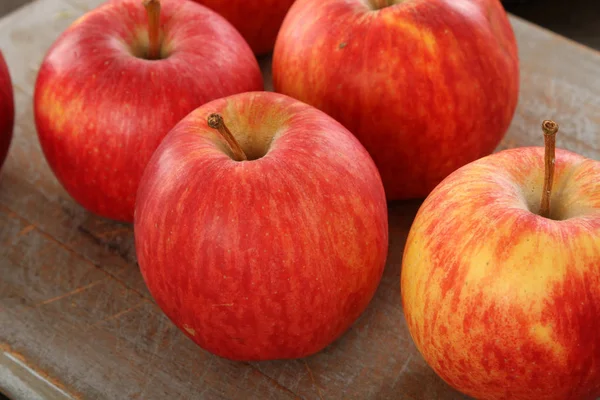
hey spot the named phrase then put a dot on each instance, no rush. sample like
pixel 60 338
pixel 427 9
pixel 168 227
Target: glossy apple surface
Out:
pixel 102 108
pixel 427 86
pixel 271 258
pixel 501 302
pixel 7 110
pixel 257 20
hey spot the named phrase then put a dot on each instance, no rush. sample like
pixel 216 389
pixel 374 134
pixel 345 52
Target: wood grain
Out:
pixel 76 320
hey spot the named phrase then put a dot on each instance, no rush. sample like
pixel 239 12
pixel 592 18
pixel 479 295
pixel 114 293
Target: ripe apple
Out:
pixel 7 110
pixel 257 20
pixel 502 294
pixel 418 82
pixel 114 84
pixel 266 240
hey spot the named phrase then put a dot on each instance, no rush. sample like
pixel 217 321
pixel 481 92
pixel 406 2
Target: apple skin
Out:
pixel 257 20
pixel 7 110
pixel 426 86
pixel 101 111
pixel 266 259
pixel 501 302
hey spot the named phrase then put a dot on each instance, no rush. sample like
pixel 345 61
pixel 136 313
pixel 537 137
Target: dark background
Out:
pixel 576 19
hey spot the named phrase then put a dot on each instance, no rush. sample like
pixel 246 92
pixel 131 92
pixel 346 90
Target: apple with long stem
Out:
pixel 501 290
pixel 426 86
pixel 261 227
pixel 257 20
pixel 117 80
pixel 7 110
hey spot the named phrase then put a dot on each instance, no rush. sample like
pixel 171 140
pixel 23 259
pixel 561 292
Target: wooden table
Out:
pixel 76 320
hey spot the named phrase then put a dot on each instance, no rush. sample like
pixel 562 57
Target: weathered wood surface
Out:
pixel 76 320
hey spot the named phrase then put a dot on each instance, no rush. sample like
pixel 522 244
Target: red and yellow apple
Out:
pixel 7 109
pixel 502 302
pixel 257 20
pixel 103 102
pixel 272 257
pixel 427 86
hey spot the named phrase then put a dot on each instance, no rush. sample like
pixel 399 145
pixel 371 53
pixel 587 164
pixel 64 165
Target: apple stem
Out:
pixel 215 121
pixel 153 11
pixel 550 128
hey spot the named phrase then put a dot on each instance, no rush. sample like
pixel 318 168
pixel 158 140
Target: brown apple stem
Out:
pixel 215 121
pixel 153 11
pixel 550 128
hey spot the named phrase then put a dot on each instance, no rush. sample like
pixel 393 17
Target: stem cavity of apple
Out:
pixel 379 4
pixel 550 128
pixel 215 121
pixel 153 11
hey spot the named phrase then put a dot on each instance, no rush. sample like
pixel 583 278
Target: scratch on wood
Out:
pixel 25 230
pixel 154 350
pixel 71 293
pixel 312 378
pixel 121 313
pixel 34 373
pixel 402 370
pixel 22 361
pixel 123 253
pixel 11 214
pixel 274 382
pixel 21 233
pixel 405 365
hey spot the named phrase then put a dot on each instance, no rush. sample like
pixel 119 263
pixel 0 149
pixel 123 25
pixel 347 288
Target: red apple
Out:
pixel 7 110
pixel 257 20
pixel 501 297
pixel 104 101
pixel 269 258
pixel 427 86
